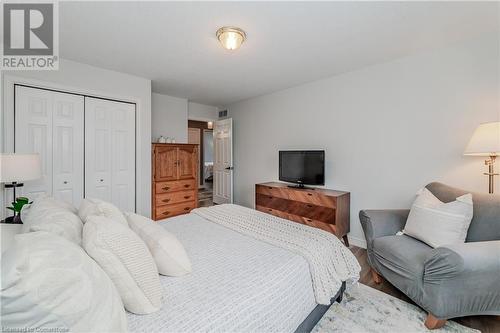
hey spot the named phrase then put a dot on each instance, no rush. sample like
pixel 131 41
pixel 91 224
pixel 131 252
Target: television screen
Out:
pixel 302 166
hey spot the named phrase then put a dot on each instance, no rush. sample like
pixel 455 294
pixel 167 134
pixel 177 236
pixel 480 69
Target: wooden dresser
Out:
pixel 321 208
pixel 175 179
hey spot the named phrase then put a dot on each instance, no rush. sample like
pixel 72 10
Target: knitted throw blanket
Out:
pixel 330 262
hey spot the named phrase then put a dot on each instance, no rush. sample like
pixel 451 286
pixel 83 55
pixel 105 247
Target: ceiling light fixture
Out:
pixel 231 38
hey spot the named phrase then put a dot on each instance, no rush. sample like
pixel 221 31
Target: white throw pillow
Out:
pixel 51 283
pixel 437 223
pixel 168 253
pixel 126 259
pixel 90 207
pixel 54 216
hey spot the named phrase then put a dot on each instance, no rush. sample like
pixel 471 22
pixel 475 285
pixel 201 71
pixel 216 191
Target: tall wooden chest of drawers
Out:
pixel 320 208
pixel 175 179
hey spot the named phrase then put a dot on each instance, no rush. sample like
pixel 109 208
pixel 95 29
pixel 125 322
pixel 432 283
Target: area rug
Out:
pixel 365 309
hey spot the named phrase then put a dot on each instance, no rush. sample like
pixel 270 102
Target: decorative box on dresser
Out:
pixel 175 179
pixel 317 207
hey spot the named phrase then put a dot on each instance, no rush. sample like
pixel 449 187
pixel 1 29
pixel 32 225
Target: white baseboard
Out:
pixel 357 241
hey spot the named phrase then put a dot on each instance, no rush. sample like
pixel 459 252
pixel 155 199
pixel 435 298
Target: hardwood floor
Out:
pixel 486 324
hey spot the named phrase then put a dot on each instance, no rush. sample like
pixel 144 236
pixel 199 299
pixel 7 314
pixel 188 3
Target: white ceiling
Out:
pixel 289 43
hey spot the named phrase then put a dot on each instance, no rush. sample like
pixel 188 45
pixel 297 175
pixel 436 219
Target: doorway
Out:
pixel 201 133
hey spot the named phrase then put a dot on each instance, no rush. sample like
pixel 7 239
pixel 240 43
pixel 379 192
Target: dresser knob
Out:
pixel 166 200
pixel 187 196
pixel 187 185
pixel 166 188
pixel 187 208
pixel 309 220
pixel 309 194
pixel 166 213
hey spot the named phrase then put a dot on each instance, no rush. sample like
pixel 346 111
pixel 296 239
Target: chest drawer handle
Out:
pixel 187 208
pixel 166 200
pixel 309 194
pixel 308 220
pixel 310 206
pixel 187 196
pixel 166 213
pixel 187 185
pixel 270 210
pixel 270 188
pixel 166 188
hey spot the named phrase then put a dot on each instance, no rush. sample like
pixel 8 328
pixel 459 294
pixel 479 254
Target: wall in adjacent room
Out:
pixel 387 129
pixel 202 112
pixel 77 77
pixel 169 117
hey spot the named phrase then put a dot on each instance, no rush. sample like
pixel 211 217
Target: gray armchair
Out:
pixel 449 281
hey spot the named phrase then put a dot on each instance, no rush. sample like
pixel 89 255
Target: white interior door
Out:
pixel 51 124
pixel 223 161
pixel 68 148
pixel 110 152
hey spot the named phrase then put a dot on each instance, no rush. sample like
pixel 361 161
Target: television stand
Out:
pixel 301 186
pixel 321 208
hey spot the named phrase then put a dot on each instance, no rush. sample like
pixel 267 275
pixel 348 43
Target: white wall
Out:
pixel 169 117
pixel 388 129
pixel 202 112
pixel 82 78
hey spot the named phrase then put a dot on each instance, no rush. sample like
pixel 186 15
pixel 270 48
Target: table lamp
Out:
pixel 486 142
pixel 16 168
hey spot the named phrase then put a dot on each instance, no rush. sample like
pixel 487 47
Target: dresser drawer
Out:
pixel 312 197
pixel 175 185
pixel 172 210
pixel 174 197
pixel 272 191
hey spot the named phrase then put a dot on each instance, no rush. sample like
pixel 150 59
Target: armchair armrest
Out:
pixel 379 223
pixel 464 279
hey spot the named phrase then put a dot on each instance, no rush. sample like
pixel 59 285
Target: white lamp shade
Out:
pixel 19 167
pixel 485 141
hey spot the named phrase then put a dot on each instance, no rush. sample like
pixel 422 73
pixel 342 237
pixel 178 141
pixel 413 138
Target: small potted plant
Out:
pixel 16 207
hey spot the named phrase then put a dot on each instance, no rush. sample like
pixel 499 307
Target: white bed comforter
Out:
pixel 238 284
pixel 330 262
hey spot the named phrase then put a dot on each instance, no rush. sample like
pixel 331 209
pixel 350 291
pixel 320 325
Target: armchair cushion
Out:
pixel 400 259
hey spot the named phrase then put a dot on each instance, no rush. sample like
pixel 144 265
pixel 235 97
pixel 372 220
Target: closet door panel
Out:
pixel 68 118
pixel 123 156
pixel 97 149
pixel 33 134
pixel 110 152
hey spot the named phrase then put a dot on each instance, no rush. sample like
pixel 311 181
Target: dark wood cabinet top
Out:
pixel 323 191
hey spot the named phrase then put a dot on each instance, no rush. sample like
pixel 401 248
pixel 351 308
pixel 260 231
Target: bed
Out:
pixel 251 272
pixel 238 284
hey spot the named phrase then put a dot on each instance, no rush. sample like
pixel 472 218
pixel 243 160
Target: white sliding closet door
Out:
pixel 51 124
pixel 110 152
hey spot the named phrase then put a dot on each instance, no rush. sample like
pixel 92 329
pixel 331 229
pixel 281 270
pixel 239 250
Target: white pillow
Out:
pixel 54 216
pixel 126 259
pixel 437 223
pixel 168 253
pixel 89 207
pixel 51 283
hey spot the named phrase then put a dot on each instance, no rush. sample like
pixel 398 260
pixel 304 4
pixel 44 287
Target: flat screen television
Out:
pixel 302 167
